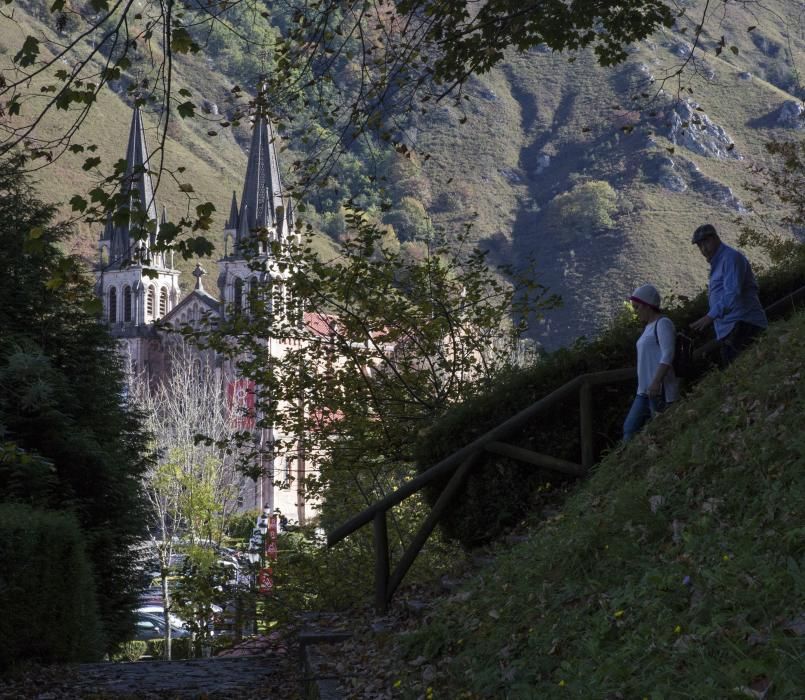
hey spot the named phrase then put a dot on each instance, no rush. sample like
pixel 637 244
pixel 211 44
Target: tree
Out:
pixel 584 210
pixel 62 399
pixel 192 485
pixel 376 344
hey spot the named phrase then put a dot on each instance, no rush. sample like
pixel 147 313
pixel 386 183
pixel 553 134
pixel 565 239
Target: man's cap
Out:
pixel 647 295
pixel 704 231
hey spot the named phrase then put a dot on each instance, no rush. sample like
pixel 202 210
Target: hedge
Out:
pixel 47 596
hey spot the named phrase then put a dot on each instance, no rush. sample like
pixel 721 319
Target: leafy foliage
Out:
pixel 47 592
pixel 585 209
pixel 79 446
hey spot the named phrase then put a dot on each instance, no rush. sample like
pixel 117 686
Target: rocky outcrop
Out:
pixel 689 127
pixel 680 175
pixel 791 115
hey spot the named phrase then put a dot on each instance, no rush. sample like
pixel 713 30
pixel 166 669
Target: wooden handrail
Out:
pixel 463 460
pixel 497 434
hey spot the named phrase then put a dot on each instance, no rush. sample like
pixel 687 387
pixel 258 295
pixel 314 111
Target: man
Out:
pixel 735 309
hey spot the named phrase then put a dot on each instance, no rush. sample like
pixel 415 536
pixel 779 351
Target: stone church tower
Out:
pixel 137 284
pixel 249 262
pixel 256 235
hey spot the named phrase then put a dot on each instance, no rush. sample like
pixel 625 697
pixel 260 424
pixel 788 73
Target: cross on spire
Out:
pixel 198 273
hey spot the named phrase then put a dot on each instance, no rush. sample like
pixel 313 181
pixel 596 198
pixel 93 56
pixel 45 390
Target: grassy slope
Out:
pixel 675 571
pixel 540 103
pixel 537 103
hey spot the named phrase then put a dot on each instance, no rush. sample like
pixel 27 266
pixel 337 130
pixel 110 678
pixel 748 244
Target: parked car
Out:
pixel 150 626
pixel 159 611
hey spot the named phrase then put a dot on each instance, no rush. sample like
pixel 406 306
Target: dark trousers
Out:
pixel 732 344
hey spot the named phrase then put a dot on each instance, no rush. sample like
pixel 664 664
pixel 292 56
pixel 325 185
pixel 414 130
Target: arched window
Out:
pixel 253 292
pixel 127 305
pixel 112 305
pixel 150 301
pixel 238 300
pixel 163 301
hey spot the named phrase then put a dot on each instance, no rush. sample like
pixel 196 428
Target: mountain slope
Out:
pixel 589 176
pixel 541 125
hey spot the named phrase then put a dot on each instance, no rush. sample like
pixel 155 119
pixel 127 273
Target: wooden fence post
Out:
pixel 586 425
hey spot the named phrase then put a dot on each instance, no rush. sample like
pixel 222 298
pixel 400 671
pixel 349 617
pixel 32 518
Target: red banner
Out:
pixel 240 396
pixel 265 582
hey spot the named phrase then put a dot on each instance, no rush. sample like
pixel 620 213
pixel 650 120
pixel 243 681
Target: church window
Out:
pixel 253 294
pixel 150 301
pixel 163 301
pixel 238 300
pixel 127 305
pixel 112 305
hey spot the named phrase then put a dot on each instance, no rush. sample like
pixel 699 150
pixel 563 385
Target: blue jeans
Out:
pixel 639 414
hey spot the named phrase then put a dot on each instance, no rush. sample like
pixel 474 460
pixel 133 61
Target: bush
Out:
pixel 130 651
pixel 585 209
pixel 499 492
pixel 46 589
pixel 180 648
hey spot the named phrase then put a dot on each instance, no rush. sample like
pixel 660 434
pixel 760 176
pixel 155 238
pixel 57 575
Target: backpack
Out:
pixel 683 352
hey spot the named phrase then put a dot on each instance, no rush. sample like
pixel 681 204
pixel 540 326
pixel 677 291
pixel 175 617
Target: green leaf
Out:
pixel 734 50
pixel 90 163
pixel 28 53
pixel 184 92
pixel 92 307
pixel 186 109
pixel 78 203
pixel 186 187
pixel 57 6
pixel 182 42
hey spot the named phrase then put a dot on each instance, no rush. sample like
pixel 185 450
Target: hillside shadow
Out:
pixel 572 267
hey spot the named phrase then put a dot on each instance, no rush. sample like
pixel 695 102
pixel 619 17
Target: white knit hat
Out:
pixel 648 295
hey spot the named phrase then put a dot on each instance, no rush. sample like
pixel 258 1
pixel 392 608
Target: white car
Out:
pixel 175 620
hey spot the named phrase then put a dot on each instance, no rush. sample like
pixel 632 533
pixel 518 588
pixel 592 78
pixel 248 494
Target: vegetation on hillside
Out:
pixel 536 127
pixel 675 570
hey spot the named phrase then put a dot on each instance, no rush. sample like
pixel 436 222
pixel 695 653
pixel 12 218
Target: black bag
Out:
pixel 683 352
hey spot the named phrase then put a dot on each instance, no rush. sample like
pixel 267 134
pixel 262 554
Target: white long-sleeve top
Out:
pixel 651 353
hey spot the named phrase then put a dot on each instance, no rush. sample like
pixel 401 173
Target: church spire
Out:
pixel 262 189
pixel 137 195
pixel 232 221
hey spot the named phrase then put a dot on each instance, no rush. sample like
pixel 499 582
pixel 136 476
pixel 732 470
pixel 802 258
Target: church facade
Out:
pixel 139 287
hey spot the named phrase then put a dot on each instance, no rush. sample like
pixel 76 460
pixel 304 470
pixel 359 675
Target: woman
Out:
pixel 657 385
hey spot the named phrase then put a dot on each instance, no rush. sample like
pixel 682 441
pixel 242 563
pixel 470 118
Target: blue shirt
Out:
pixel 733 292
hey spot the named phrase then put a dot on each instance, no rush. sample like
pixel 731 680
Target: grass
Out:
pixel 675 571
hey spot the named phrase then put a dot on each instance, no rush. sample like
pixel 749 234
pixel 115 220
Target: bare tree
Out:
pixel 193 486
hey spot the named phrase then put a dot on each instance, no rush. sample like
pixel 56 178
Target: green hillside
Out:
pixel 561 165
pixel 543 124
pixel 675 571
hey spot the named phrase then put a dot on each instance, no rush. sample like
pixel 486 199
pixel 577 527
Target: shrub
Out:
pixel 181 648
pixel 46 589
pixel 130 651
pixel 585 209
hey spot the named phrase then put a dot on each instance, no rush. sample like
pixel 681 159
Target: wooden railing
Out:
pixel 461 462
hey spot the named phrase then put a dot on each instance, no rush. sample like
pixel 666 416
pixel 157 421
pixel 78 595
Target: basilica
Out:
pixel 139 287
